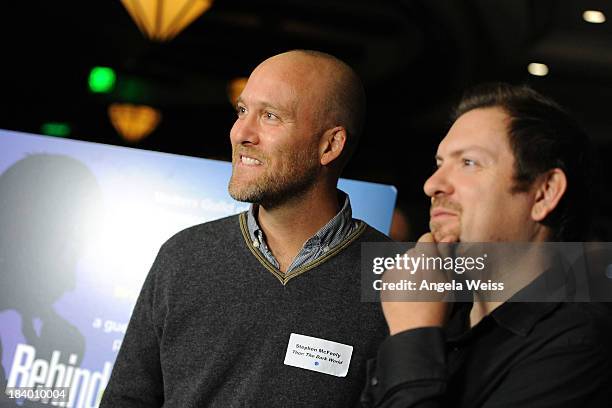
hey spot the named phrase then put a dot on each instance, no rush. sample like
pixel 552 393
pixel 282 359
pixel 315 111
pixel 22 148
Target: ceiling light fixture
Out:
pixel 162 20
pixel 234 89
pixel 594 16
pixel 537 69
pixel 133 122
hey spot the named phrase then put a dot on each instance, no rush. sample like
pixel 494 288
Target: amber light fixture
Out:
pixel 162 20
pixel 234 89
pixel 133 122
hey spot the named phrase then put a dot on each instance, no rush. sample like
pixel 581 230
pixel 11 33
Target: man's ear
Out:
pixel 332 144
pixel 550 188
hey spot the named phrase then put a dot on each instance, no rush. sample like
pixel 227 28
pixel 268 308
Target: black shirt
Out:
pixel 553 354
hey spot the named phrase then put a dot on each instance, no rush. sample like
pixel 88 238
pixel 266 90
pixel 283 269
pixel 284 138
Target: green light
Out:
pixel 101 79
pixel 55 129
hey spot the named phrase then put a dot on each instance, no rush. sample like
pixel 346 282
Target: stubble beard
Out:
pixel 295 177
pixel 440 230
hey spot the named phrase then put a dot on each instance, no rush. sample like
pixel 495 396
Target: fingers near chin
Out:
pixel 427 237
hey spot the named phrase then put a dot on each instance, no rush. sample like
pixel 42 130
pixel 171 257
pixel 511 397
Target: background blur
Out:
pixel 414 56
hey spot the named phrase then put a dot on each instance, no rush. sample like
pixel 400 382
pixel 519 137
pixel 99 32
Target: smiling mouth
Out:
pixel 249 161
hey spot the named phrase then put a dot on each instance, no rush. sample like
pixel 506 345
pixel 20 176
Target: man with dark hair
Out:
pixel 543 136
pixel 263 309
pixel 512 168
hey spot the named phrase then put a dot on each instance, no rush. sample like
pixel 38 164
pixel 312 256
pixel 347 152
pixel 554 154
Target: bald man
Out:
pixel 263 309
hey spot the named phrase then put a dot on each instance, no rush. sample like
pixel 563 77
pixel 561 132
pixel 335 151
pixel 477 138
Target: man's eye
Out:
pixel 270 116
pixel 240 110
pixel 468 162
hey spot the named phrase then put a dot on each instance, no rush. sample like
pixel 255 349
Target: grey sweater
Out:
pixel 213 320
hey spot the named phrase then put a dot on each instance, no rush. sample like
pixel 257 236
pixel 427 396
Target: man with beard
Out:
pixel 513 168
pixel 263 309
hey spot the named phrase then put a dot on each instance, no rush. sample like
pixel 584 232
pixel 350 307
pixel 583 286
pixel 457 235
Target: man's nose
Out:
pixel 245 130
pixel 438 183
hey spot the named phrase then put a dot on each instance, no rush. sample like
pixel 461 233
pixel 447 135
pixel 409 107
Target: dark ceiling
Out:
pixel 415 58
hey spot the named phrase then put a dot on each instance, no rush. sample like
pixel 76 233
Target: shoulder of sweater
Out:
pixel 192 243
pixel 371 234
pixel 227 227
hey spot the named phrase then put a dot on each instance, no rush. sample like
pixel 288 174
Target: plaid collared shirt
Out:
pixel 330 235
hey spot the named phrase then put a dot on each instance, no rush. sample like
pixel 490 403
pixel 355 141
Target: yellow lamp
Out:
pixel 162 20
pixel 234 89
pixel 133 122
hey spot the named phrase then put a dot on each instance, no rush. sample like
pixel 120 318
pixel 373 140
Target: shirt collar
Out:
pixel 521 317
pixel 553 286
pixel 339 225
pixel 516 315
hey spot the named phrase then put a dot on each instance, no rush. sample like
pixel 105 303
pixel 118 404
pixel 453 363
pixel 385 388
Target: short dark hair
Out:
pixel 543 136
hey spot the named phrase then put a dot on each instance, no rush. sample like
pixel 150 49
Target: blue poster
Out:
pixel 81 224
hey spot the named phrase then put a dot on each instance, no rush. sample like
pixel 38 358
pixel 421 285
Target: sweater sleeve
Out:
pixel 137 380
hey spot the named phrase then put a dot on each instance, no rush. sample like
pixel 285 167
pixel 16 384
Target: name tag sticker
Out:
pixel 319 355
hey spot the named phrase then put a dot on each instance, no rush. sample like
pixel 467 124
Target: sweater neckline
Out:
pixel 284 278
